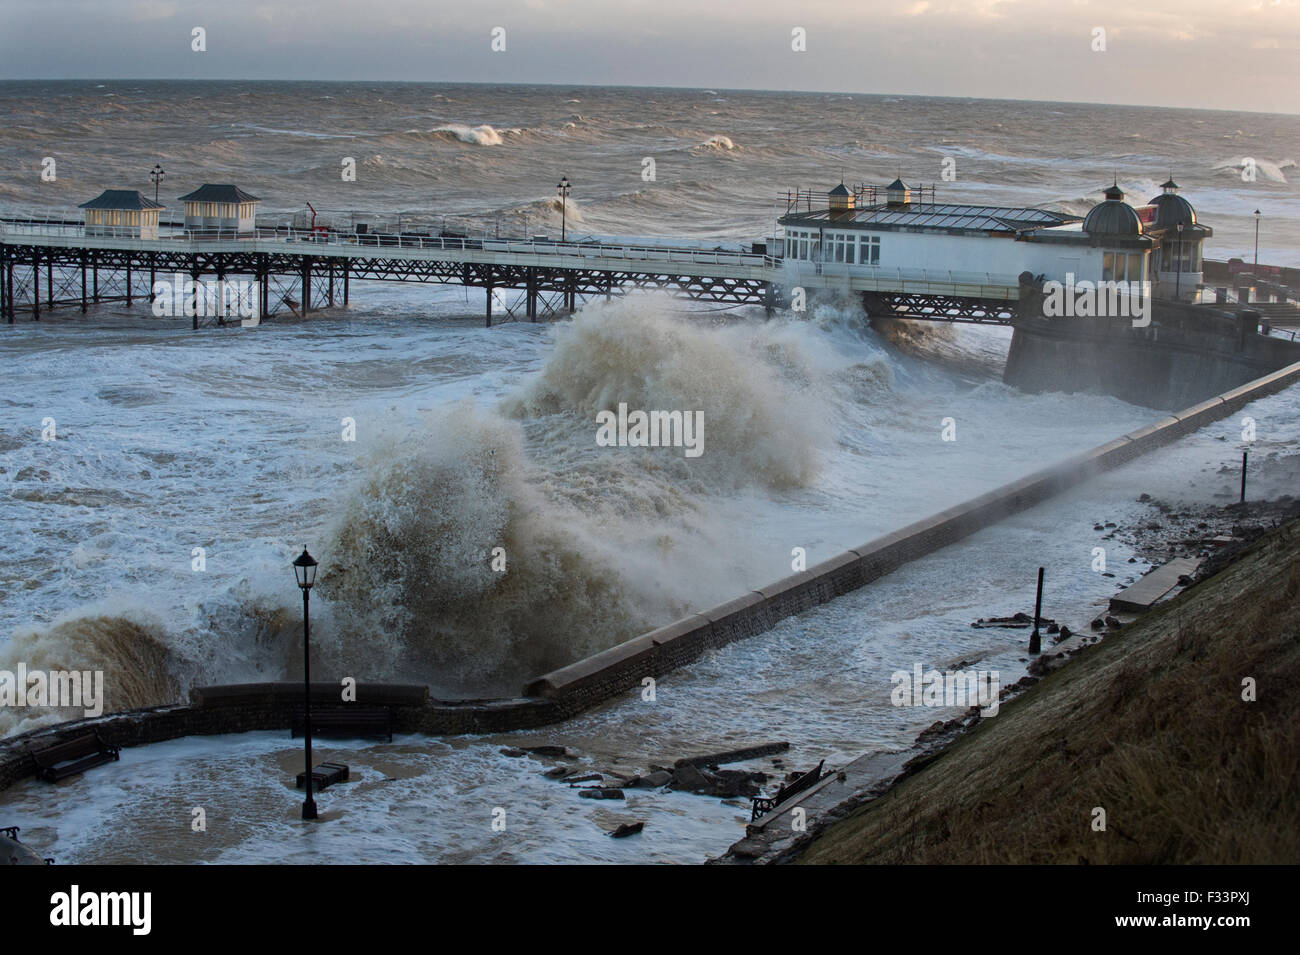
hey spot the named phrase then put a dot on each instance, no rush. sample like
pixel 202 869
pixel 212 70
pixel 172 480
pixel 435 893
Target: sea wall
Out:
pixel 572 689
pixel 1186 354
pixel 247 707
pixel 584 684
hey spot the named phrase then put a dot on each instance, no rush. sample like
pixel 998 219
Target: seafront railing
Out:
pixel 17 228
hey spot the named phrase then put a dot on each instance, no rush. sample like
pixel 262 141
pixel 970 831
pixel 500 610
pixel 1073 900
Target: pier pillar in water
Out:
pixel 194 275
pixel 5 278
pixel 84 258
pixel 36 285
pixel 346 281
pixel 94 277
pixel 330 296
pixel 532 295
pixel 263 278
pixel 49 284
pixel 221 296
pixel 9 287
pixel 306 284
pixel 128 280
pixel 489 307
pixel 153 274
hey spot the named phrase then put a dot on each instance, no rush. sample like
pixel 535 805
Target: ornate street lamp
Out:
pixel 156 174
pixel 304 568
pixel 564 186
pixel 1257 244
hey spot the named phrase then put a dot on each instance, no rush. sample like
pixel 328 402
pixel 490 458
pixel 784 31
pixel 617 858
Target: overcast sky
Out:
pixel 1236 54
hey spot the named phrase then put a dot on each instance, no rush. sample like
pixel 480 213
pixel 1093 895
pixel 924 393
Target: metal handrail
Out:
pixel 400 240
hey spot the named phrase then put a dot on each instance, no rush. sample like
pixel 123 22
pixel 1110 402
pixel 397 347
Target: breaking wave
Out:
pixel 412 584
pixel 131 648
pixel 752 383
pixel 474 135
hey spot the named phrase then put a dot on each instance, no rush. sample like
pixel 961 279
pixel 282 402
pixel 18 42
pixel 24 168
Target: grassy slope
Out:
pixel 1149 725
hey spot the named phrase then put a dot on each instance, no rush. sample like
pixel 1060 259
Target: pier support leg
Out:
pixel 768 298
pixel 331 285
pixel 263 280
pixel 36 286
pixel 306 285
pixel 9 288
pixel 5 279
pixel 49 284
pixel 94 277
pixel 221 298
pixel 83 282
pixel 571 296
pixel 195 277
pixel 346 281
pixel 489 307
pixel 531 295
pixel 128 283
pixel 153 274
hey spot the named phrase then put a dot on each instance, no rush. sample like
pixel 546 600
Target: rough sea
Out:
pixel 822 434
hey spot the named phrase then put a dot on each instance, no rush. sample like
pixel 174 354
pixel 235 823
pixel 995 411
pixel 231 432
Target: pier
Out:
pixel 48 265
pixel 53 265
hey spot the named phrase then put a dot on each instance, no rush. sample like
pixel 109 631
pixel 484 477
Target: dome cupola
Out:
pixel 1113 216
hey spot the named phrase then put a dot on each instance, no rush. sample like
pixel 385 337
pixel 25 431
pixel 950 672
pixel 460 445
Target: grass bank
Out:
pixel 1149 725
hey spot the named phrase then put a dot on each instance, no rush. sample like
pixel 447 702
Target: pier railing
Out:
pixel 12 228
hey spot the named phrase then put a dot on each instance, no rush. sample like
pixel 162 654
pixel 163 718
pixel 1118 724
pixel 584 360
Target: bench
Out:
pixel 72 757
pixel 762 806
pixel 326 774
pixel 346 724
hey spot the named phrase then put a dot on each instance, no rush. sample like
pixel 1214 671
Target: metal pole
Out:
pixel 1243 476
pixel 1035 641
pixel 1256 243
pixel 309 804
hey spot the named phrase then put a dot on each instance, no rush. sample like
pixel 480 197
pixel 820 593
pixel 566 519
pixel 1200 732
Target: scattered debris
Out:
pixel 599 792
pixel 734 755
pixel 1017 621
pixel 556 751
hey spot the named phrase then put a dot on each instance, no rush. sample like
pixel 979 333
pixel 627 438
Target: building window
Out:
pixel 869 250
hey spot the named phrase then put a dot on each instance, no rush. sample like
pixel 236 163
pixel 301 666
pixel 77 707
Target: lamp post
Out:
pixel 1178 276
pixel 1256 243
pixel 156 174
pixel 564 186
pixel 304 568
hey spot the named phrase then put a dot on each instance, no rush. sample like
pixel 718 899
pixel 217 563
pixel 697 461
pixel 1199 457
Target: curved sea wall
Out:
pixel 579 686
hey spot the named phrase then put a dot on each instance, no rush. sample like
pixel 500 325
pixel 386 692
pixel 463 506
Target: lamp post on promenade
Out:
pixel 304 568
